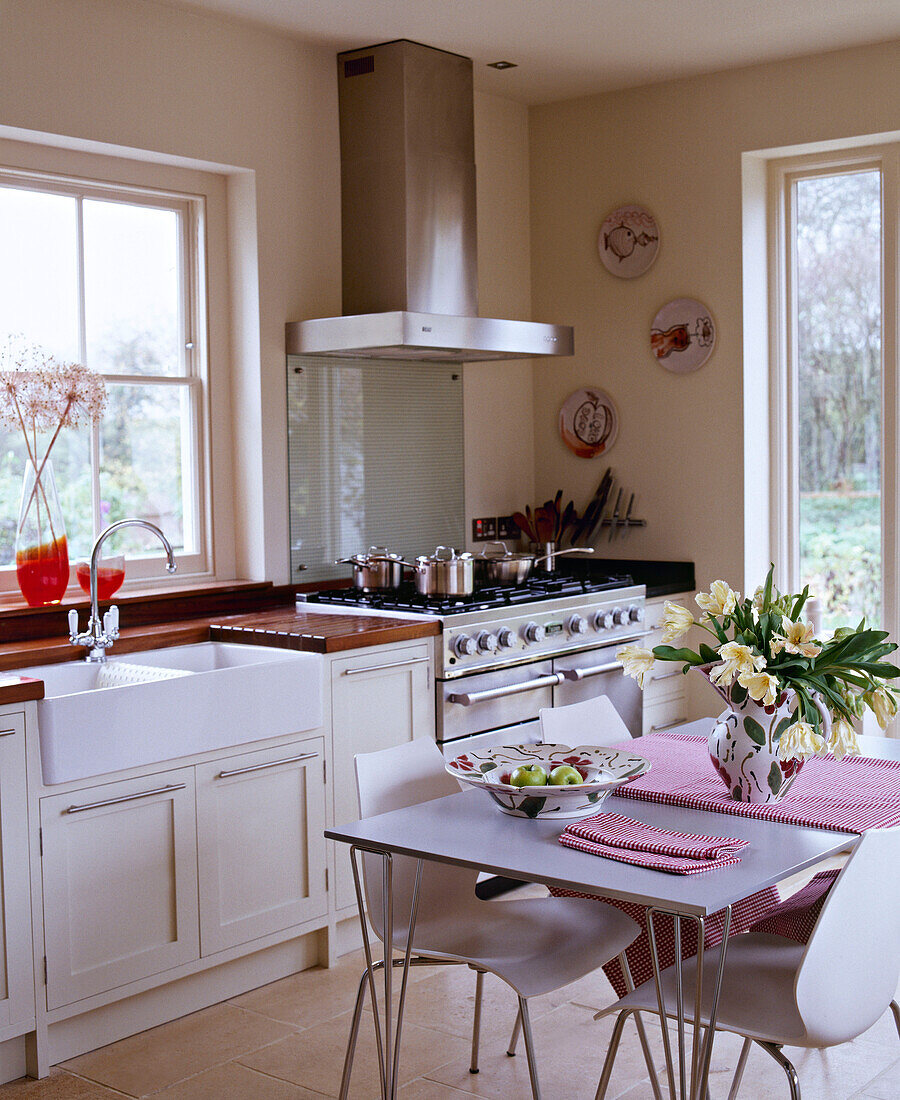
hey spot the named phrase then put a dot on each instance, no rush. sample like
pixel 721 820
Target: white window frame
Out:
pixel 783 358
pixel 200 198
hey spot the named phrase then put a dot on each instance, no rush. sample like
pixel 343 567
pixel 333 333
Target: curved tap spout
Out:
pixel 100 635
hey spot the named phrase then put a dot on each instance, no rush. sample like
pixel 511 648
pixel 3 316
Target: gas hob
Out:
pixel 501 627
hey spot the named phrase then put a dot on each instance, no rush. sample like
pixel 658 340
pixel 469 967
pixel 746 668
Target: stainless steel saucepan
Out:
pixel 510 568
pixel 450 574
pixel 376 569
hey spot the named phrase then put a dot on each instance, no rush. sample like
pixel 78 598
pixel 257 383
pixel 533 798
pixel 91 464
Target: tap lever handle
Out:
pixel 111 623
pixel 73 624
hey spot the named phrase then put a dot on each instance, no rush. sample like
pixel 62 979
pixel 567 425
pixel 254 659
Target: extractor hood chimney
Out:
pixel 408 219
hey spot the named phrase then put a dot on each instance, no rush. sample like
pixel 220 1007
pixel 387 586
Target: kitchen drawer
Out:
pixel 665 681
pixel 664 714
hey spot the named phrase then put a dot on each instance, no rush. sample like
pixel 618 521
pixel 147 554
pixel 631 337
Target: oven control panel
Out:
pixel 483 640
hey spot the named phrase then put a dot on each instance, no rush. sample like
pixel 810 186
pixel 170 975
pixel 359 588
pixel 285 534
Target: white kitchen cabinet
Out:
pixel 379 699
pixel 260 820
pixel 665 689
pixel 16 970
pixel 119 882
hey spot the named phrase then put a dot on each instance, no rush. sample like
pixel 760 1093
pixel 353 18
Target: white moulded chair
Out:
pixel 776 992
pixel 593 721
pixel 535 945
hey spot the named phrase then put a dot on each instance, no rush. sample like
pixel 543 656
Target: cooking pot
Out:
pixel 376 569
pixel 511 568
pixel 449 575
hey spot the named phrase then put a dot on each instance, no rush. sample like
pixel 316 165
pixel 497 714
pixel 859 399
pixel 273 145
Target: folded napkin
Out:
pixel 616 837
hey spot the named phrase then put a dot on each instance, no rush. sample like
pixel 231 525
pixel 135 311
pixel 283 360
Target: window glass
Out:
pixel 839 392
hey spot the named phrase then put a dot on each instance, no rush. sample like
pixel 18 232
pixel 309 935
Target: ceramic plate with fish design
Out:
pixel 628 241
pixel 602 770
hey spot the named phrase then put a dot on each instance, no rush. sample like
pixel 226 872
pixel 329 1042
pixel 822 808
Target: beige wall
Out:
pixel 139 76
pixel 676 148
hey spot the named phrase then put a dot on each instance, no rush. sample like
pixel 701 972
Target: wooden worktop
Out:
pixel 317 631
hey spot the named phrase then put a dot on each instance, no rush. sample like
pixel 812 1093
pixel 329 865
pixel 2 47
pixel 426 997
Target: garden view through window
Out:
pixel 104 279
pixel 837 243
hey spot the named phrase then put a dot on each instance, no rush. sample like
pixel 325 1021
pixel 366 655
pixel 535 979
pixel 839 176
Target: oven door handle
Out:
pixel 592 670
pixel 469 698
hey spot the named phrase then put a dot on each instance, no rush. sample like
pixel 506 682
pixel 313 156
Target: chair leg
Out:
pixel 476 1023
pixel 529 1048
pixel 739 1069
pixel 514 1038
pixel 786 1065
pixel 895 1008
pixel 614 1041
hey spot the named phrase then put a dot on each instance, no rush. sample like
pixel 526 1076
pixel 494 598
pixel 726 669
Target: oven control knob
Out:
pixel 603 620
pixel 464 646
pixel 577 624
pixel 636 614
pixel 506 638
pixel 487 642
pixel 534 632
pixel 620 616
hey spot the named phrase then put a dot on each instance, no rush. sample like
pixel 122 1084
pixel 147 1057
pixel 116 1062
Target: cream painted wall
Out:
pixel 140 76
pixel 676 148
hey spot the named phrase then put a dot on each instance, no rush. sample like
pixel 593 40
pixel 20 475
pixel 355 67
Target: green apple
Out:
pixel 529 775
pixel 565 776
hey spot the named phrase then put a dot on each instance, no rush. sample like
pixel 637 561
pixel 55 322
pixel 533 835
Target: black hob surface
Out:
pixel 406 598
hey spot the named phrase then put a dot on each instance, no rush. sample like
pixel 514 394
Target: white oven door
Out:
pixel 599 673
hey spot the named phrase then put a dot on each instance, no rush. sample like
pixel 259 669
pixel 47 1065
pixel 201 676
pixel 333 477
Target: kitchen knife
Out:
pixel 584 529
pixel 597 517
pixel 615 517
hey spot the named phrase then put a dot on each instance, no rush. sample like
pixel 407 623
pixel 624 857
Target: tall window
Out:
pixel 836 472
pixel 111 277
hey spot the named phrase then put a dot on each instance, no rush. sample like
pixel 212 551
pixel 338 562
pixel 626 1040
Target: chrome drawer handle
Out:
pixel 270 764
pixel 124 798
pixel 666 676
pixel 6 733
pixel 667 726
pixel 467 699
pixel 378 668
pixel 593 670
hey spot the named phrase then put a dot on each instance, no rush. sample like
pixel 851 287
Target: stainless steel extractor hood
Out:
pixel 408 219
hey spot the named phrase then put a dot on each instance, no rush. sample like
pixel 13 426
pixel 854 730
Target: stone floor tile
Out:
pixel 314 1058
pixel 886 1085
pixel 58 1086
pixel 233 1081
pixel 158 1058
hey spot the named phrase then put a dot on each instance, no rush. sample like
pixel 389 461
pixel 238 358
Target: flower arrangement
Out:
pixel 39 394
pixel 763 650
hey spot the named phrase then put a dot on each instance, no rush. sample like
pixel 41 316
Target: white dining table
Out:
pixel 467 830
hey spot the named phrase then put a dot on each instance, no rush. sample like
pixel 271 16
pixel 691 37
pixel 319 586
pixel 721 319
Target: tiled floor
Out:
pixel 286 1041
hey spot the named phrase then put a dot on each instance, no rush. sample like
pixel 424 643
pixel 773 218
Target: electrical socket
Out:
pixel 484 529
pixel 507 528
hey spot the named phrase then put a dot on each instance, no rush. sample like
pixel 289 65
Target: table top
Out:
pixel 468 830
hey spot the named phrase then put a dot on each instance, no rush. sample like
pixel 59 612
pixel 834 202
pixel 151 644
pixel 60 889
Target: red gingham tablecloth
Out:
pixel 848 795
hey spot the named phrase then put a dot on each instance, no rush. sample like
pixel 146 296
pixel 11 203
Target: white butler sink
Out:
pixel 234 694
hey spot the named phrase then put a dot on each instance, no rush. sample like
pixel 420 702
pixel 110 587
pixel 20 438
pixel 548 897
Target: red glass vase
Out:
pixel 42 554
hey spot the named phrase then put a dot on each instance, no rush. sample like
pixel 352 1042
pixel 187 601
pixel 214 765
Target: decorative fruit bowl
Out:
pixel 601 770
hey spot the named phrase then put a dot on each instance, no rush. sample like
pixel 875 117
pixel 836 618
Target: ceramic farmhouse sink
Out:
pixel 233 694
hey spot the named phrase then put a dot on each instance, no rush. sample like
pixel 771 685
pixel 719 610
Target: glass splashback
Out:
pixel 375 453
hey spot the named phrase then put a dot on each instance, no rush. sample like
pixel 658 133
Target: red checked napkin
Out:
pixel 630 841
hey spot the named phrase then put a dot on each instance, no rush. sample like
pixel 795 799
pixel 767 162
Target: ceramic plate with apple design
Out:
pixel 601 769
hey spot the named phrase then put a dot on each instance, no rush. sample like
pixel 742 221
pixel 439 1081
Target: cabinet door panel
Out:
pixel 16 973
pixel 378 700
pixel 262 853
pixel 120 883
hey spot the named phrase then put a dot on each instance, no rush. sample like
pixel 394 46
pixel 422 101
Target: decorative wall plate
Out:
pixel 628 241
pixel 588 422
pixel 683 335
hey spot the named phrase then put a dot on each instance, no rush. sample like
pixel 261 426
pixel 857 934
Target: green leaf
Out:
pixel 709 655
pixel 767 587
pixel 781 727
pixel 775 778
pixel 754 730
pixel 738 694
pixel 669 653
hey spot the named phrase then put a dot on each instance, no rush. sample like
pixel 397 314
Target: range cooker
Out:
pixel 505 653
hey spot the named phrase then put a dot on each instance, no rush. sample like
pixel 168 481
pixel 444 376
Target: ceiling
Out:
pixel 568 48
